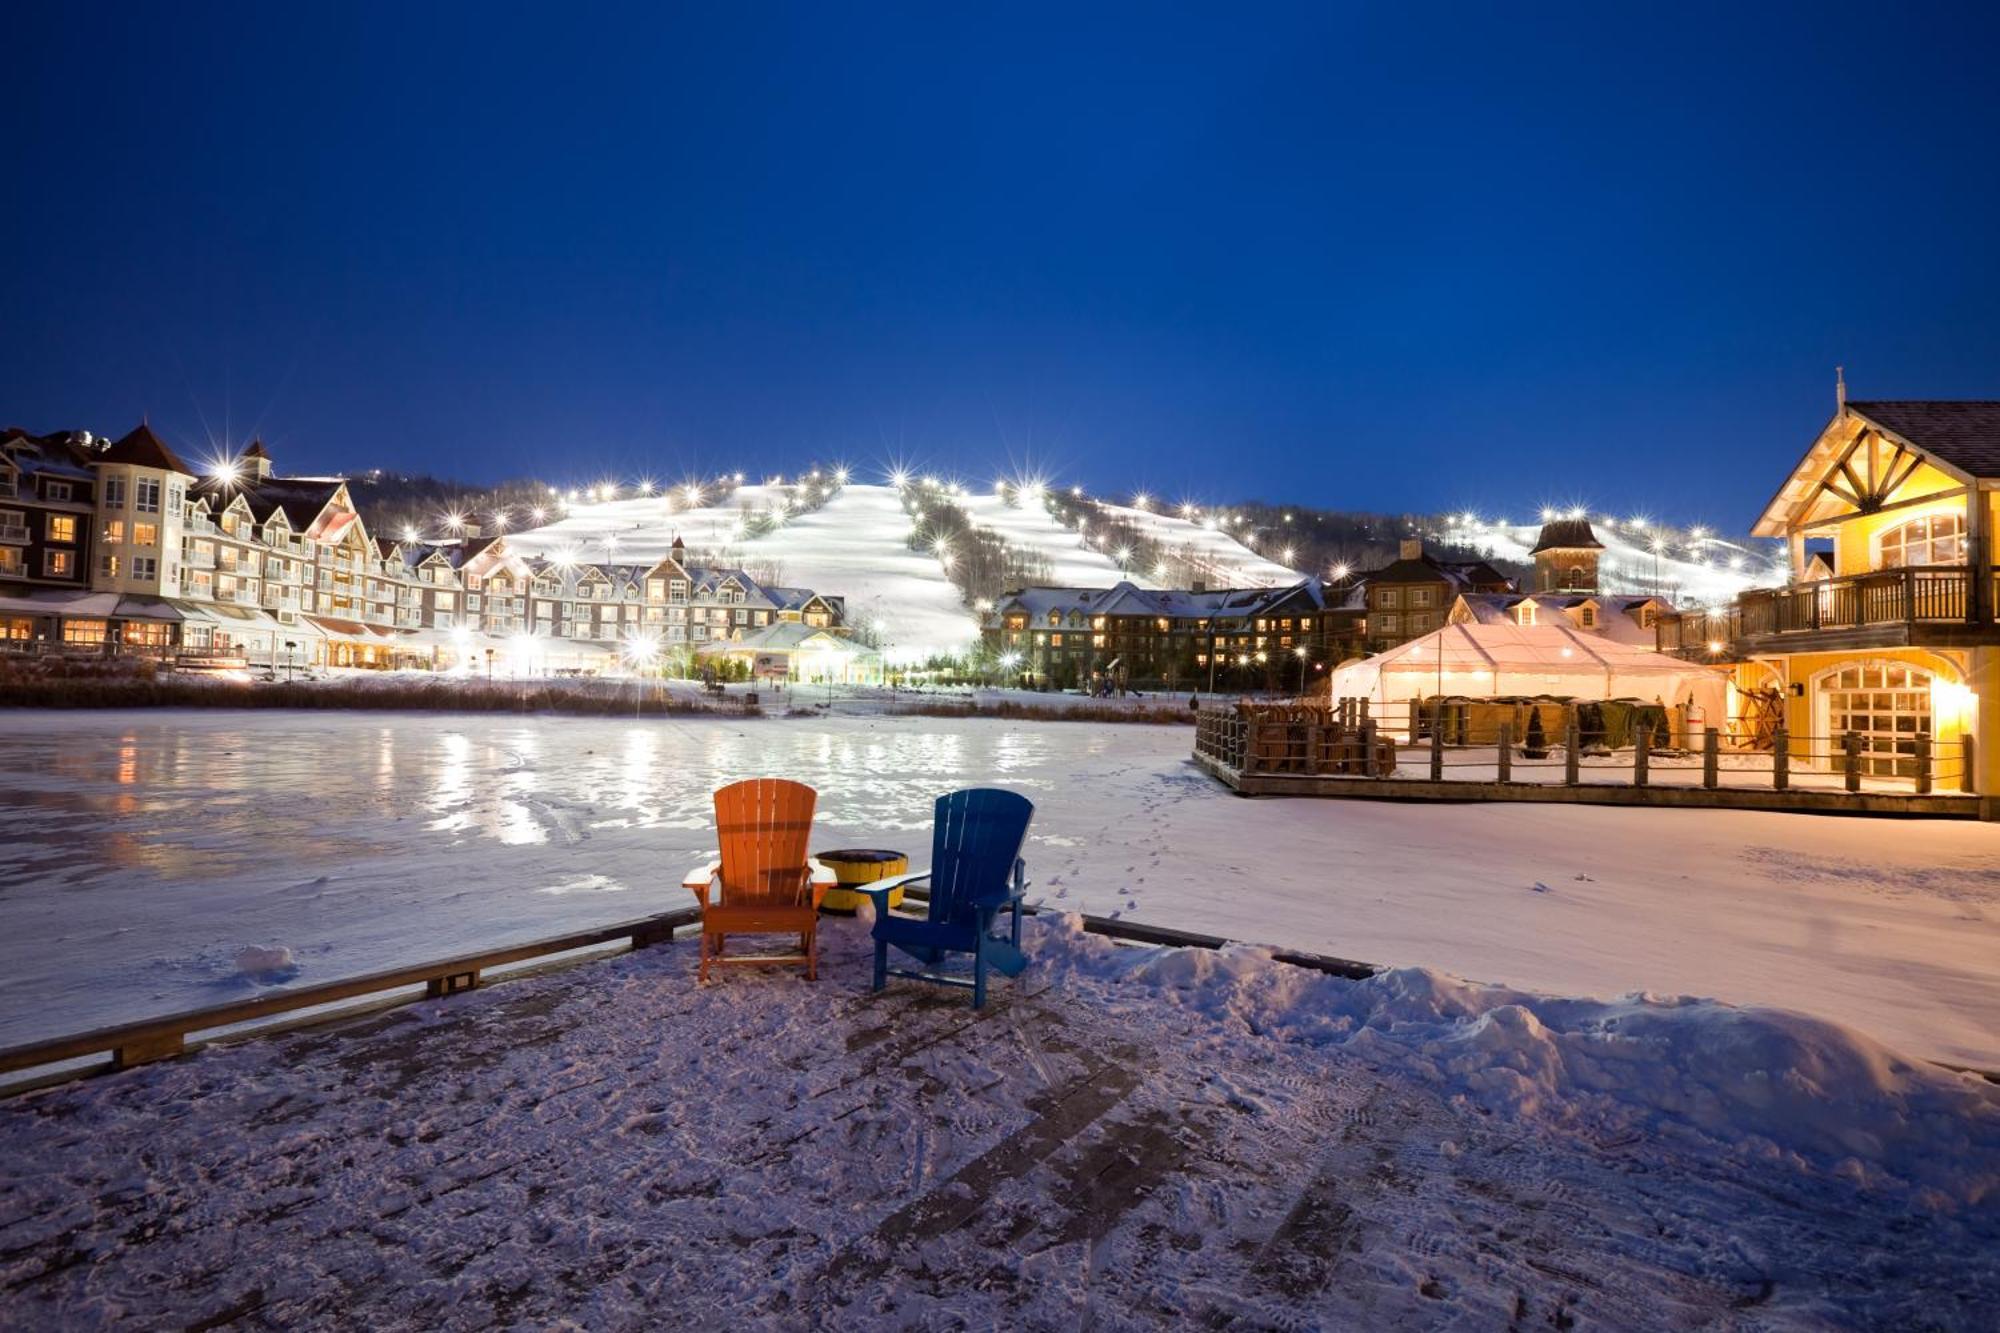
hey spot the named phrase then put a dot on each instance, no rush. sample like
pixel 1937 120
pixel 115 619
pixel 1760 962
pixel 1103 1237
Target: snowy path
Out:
pixel 140 851
pixel 1125 1140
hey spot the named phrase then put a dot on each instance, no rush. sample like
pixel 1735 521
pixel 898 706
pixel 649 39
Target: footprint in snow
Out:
pixel 1541 887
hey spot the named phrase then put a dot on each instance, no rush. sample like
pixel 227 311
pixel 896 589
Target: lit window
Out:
pixel 62 527
pixel 1935 539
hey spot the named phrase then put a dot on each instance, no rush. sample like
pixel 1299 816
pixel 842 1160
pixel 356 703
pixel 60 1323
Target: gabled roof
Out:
pixel 1426 568
pixel 1567 534
pixel 1869 450
pixel 1964 433
pixel 59 454
pixel 300 499
pixel 142 448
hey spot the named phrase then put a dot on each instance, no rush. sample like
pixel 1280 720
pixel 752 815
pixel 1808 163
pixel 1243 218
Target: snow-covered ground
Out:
pixel 140 852
pixel 1224 560
pixel 1123 1139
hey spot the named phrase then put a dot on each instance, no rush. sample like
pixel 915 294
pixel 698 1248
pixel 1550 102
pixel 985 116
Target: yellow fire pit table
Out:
pixel 860 865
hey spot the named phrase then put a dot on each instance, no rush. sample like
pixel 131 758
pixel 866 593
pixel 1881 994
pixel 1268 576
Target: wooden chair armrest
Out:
pixel 822 874
pixel 893 882
pixel 701 877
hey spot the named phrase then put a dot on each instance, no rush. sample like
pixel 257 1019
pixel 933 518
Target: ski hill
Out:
pixel 1690 567
pixel 857 545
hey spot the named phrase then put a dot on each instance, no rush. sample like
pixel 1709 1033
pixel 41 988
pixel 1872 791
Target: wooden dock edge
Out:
pixel 1792 800
pixel 58 1060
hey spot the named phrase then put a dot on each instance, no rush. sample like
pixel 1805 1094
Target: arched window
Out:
pixel 1575 577
pixel 1934 539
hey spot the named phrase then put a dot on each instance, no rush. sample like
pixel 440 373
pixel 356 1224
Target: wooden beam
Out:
pixel 1897 479
pixel 155 1037
pixel 1911 503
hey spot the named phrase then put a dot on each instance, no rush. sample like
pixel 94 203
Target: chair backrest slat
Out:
pixel 764 826
pixel 976 838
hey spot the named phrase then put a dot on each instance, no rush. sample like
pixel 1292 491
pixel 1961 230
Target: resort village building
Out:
pixel 1233 637
pixel 1065 637
pixel 122 548
pixel 1411 595
pixel 1893 637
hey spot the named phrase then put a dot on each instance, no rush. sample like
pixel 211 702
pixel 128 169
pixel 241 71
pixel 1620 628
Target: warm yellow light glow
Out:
pixel 1951 703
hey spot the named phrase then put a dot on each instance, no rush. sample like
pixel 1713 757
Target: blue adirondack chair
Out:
pixel 976 873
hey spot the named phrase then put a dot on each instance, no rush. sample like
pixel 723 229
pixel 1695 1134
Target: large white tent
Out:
pixel 1507 660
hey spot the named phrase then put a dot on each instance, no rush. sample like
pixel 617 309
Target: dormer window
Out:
pixel 1526 614
pixel 1935 539
pixel 1586 616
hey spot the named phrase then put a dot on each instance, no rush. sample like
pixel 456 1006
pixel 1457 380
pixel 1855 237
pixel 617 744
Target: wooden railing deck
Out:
pixel 1918 595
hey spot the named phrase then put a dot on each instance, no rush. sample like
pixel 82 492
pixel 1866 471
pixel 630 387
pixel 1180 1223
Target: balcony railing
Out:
pixel 14 533
pixel 1925 594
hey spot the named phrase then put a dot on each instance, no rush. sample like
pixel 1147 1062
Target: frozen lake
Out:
pixel 140 851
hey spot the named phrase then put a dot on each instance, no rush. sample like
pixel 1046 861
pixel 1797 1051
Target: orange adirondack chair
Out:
pixel 765 884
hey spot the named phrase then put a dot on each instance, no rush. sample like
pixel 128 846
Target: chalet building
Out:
pixel 120 547
pixel 1410 597
pixel 1566 592
pixel 1066 637
pixel 1894 636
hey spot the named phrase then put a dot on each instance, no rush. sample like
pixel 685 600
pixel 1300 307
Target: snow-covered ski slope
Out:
pixel 1224 561
pixel 1029 526
pixel 857 546
pixel 1720 570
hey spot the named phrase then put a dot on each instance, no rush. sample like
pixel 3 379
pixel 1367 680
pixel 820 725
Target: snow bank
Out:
pixel 1762 1083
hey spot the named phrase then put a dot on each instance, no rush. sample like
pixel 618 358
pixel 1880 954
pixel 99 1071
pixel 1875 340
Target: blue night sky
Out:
pixel 1384 256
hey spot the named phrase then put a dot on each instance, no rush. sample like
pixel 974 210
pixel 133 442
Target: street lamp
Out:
pixel 1303 654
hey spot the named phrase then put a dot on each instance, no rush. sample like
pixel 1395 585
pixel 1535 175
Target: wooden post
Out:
pixel 1312 763
pixel 1965 782
pixel 1923 763
pixel 1850 761
pixel 1437 746
pixel 1506 751
pixel 1572 765
pixel 1367 744
pixel 1711 757
pixel 1641 753
pixel 1781 759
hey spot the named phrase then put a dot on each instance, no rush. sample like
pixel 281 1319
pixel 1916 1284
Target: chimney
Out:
pixel 1200 585
pixel 1411 549
pixel 1840 390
